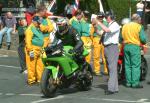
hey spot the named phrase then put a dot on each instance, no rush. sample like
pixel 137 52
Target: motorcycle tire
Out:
pixel 85 79
pixel 47 86
pixel 144 68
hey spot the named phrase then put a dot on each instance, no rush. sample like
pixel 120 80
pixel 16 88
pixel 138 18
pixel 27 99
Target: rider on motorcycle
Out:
pixel 68 36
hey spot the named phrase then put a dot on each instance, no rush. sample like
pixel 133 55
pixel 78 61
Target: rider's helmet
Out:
pixel 62 25
pixel 125 21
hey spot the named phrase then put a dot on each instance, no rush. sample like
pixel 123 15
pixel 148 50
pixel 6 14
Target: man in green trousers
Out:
pixel 133 36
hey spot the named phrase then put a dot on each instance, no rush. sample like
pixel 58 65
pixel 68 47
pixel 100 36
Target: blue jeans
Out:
pixel 140 13
pixel 8 36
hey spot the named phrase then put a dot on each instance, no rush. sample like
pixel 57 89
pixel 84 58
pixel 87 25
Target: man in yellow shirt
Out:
pixel 133 35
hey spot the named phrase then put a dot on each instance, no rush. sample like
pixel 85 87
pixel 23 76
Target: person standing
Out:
pixel 29 14
pixel 86 34
pixel 46 26
pixel 21 49
pixel 75 21
pixel 98 49
pixel 111 40
pixel 133 35
pixel 140 8
pixel 9 24
pixel 34 40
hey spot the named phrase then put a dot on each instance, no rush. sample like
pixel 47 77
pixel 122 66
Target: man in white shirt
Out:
pixel 111 40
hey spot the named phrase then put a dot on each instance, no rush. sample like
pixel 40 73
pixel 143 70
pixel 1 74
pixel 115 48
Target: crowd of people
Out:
pixel 100 34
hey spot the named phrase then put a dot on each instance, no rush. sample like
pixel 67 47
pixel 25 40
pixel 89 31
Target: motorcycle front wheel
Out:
pixel 85 79
pixel 47 84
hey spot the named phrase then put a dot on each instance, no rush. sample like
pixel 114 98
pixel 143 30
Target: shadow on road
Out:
pixel 102 86
pixel 64 92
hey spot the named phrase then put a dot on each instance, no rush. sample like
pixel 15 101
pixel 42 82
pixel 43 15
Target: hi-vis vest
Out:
pixel 75 24
pixel 131 33
pixel 38 38
pixel 87 29
pixel 33 36
pixel 46 27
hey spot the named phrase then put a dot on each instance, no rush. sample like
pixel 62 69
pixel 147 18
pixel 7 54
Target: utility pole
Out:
pixel 100 6
pixel 143 18
pixel 130 9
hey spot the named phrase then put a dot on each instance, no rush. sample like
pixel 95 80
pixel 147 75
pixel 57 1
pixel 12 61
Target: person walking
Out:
pixel 133 35
pixel 111 40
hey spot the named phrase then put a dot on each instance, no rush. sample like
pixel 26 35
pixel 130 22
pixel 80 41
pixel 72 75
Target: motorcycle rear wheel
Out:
pixel 47 86
pixel 144 68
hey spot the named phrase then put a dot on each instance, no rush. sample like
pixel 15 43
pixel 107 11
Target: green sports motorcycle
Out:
pixel 63 69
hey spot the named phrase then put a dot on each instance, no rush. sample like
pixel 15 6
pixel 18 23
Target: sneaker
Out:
pixel 138 86
pixel 97 74
pixel 8 47
pixel 0 46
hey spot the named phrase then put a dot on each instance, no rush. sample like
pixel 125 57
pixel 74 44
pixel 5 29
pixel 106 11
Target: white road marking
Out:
pixel 8 50
pixel 1 93
pixel 9 94
pixel 43 100
pixel 1 55
pixel 37 95
pixel 114 100
pixel 9 66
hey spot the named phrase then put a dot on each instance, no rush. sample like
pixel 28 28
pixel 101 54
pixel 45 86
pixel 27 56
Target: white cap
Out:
pixel 94 16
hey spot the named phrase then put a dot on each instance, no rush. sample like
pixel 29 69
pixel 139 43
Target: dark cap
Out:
pixel 37 19
pixel 86 13
pixel 100 15
pixel 110 13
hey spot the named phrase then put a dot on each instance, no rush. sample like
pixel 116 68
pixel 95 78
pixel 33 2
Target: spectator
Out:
pixel 0 22
pixel 21 29
pixel 140 8
pixel 9 24
pixel 133 35
pixel 21 49
pixel 29 14
pixel 111 40
pixel 68 10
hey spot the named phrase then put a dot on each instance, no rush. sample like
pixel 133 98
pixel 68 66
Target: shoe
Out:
pixel 128 85
pixel 8 47
pixel 97 74
pixel 105 73
pixel 138 86
pixel 148 82
pixel 107 92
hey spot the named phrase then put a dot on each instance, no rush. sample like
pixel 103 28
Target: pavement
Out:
pixel 13 88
